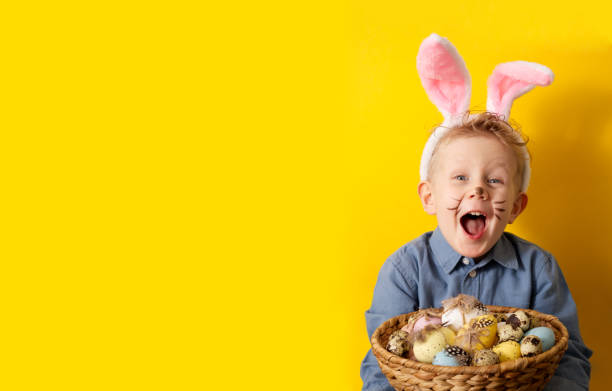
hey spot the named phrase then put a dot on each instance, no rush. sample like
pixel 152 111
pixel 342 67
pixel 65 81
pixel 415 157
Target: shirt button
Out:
pixel 466 261
pixel 472 273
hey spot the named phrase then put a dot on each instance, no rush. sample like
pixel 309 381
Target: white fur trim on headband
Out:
pixel 430 145
pixel 526 170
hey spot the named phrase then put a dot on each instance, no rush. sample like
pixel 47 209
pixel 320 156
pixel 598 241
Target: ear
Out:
pixel 519 205
pixel 444 76
pixel 426 196
pixel 511 80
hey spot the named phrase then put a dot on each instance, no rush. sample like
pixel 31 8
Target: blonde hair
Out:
pixel 489 124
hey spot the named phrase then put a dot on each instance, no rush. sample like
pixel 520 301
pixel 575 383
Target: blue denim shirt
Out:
pixel 514 273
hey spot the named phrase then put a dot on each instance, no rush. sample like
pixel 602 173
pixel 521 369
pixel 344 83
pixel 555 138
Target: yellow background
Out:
pixel 199 196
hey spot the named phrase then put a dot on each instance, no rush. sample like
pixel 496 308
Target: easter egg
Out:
pixel 546 335
pixel 509 332
pixel 422 322
pixel 426 321
pixel 443 358
pixel 530 346
pixel 398 343
pixel 449 334
pixel 479 333
pixel 519 318
pixel 485 357
pixel 508 350
pixel 462 357
pixel 426 346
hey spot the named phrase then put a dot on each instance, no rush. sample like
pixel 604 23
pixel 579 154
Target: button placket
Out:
pixel 470 283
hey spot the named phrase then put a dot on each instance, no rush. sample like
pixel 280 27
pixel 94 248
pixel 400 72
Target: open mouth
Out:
pixel 474 224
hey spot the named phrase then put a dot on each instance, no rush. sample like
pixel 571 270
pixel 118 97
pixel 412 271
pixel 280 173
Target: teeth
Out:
pixel 475 214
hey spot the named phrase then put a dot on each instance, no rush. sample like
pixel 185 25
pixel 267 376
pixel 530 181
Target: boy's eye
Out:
pixel 494 180
pixel 461 177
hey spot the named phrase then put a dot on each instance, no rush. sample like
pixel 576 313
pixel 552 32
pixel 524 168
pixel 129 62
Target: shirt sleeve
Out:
pixel 553 297
pixel 395 294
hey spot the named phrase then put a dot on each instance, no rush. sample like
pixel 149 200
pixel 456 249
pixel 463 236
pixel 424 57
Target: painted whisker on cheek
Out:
pixel 458 203
pixel 496 215
pixel 500 209
pixel 499 202
pixel 457 206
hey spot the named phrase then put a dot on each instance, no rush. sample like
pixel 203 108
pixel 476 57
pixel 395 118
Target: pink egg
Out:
pixel 424 321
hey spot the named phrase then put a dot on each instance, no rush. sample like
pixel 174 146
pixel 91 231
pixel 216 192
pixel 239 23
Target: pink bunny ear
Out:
pixel 444 76
pixel 511 80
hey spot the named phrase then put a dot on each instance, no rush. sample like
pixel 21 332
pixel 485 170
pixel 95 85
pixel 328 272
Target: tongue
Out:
pixel 474 225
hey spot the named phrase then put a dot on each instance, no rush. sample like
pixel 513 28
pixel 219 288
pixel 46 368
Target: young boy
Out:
pixel 474 186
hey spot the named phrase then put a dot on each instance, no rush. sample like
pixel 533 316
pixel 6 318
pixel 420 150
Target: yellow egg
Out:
pixel 449 334
pixel 425 350
pixel 509 350
pixel 489 323
pixel 479 333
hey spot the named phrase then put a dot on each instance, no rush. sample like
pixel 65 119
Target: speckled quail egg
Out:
pixel 546 335
pixel 485 357
pixel 530 346
pixel 509 332
pixel 398 343
pixel 519 318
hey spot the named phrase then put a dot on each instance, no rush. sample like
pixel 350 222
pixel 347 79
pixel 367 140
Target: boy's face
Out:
pixel 473 192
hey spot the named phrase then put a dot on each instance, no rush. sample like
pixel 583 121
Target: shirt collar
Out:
pixel 502 252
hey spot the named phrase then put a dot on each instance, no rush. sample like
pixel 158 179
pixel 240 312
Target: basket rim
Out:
pixel 521 363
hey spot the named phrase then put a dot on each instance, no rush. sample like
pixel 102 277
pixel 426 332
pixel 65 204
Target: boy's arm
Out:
pixel 553 297
pixel 395 293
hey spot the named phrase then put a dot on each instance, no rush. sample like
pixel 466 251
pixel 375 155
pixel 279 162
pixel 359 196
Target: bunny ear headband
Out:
pixel 447 83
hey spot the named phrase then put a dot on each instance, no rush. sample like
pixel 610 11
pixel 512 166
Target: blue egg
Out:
pixel 546 335
pixel 443 358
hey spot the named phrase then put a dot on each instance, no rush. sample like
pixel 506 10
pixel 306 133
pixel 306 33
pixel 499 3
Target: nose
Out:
pixel 478 193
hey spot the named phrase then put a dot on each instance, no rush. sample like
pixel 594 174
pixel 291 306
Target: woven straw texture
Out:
pixel 523 374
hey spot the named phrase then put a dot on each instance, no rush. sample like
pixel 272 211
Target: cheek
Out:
pixel 505 193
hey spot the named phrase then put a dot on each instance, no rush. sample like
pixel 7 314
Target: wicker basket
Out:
pixel 522 374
